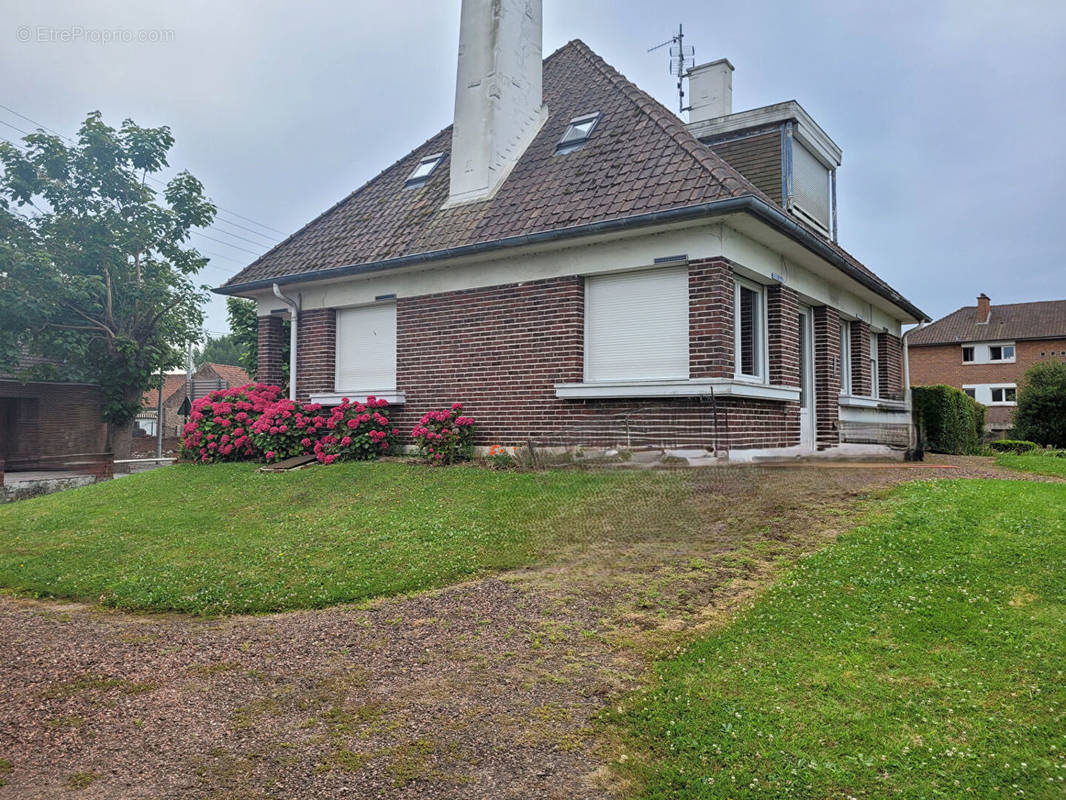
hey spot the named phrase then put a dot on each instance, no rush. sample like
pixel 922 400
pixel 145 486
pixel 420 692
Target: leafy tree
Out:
pixel 1041 413
pixel 244 327
pixel 95 273
pixel 219 350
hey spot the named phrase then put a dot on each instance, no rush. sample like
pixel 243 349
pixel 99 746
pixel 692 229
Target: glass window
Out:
pixel 750 323
pixel 1010 394
pixel 1008 351
pixel 971 393
pixel 577 132
pixel 995 353
pixel 967 354
pixel 845 357
pixel 424 169
pixel 875 380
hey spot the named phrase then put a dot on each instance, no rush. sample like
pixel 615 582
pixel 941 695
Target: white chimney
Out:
pixel 711 88
pixel 499 104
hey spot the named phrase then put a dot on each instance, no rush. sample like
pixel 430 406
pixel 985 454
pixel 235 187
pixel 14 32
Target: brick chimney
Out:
pixel 499 103
pixel 984 308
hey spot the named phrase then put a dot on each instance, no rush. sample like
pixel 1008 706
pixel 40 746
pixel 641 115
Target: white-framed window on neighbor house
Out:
pixel 993 394
pixel 366 349
pixel 1001 352
pixel 875 381
pixel 967 354
pixel 750 333
pixel 845 357
pixel 636 326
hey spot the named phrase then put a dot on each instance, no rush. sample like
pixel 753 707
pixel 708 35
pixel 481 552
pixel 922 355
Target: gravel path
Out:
pixel 486 689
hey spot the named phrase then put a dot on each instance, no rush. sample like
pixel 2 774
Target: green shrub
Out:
pixel 1041 414
pixel 951 421
pixel 1013 446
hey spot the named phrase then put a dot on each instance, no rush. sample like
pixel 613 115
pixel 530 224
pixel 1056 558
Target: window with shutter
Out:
pixel 366 349
pixel 636 325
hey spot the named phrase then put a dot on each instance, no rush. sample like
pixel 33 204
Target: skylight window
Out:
pixel 577 132
pixel 424 169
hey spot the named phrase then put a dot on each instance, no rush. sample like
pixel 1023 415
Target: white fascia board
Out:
pixel 391 396
pixel 718 387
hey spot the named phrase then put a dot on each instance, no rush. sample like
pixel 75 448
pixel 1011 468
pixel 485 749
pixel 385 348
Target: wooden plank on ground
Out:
pixel 296 462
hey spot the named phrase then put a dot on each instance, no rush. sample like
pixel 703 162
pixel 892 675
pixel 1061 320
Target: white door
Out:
pixel 806 354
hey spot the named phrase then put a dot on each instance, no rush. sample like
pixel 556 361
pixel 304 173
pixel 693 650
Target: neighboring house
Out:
pixel 51 425
pixel 985 350
pixel 576 265
pixel 176 388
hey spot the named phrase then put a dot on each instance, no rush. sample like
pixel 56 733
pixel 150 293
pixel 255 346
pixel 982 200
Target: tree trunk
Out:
pixel 120 443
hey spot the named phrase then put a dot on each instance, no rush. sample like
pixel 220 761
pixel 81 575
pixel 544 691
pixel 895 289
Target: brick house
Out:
pixel 577 265
pixel 176 388
pixel 985 350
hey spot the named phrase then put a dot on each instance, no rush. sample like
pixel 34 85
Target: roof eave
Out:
pixel 755 206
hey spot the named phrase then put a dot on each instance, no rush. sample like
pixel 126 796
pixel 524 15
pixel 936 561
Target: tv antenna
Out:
pixel 680 55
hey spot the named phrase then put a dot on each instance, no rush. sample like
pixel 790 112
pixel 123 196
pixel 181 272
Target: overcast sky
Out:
pixel 951 115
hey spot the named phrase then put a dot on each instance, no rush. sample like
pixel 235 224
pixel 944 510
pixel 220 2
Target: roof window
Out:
pixel 425 168
pixel 577 132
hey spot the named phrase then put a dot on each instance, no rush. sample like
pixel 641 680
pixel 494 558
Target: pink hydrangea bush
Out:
pixel 445 436
pixel 220 424
pixel 258 424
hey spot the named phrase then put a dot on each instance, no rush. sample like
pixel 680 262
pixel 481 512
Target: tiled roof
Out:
pixel 171 383
pixel 230 373
pixel 1013 321
pixel 639 159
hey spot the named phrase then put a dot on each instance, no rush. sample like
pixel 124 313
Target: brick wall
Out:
pixel 711 344
pixel 44 422
pixel 826 376
pixel 500 350
pixel 269 354
pixel 782 317
pixel 860 358
pixel 316 348
pixel 890 366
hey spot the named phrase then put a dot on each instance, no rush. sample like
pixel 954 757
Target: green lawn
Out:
pixel 921 656
pixel 1041 464
pixel 227 539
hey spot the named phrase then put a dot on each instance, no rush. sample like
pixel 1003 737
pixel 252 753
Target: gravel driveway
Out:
pixel 485 689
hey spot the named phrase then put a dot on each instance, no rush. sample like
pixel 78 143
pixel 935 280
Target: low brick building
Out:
pixel 577 265
pixel 985 350
pixel 52 426
pixel 176 387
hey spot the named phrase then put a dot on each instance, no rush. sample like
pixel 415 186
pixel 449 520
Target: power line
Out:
pixel 246 228
pixel 235 247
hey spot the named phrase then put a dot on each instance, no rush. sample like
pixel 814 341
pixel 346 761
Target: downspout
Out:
pixel 294 313
pixel 907 382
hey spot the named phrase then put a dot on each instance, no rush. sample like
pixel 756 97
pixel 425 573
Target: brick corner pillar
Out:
pixel 826 377
pixel 782 317
pixel 316 352
pixel 861 385
pixel 268 366
pixel 890 366
pixel 710 319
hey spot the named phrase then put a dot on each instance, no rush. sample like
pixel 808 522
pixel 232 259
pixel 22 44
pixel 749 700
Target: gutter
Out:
pixel 749 204
pixel 907 400
pixel 294 311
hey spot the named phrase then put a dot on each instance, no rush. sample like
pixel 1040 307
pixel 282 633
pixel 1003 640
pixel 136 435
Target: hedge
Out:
pixel 951 420
pixel 1013 446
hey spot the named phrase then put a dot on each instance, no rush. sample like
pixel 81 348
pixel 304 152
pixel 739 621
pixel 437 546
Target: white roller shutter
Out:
pixel 366 348
pixel 636 325
pixel 810 183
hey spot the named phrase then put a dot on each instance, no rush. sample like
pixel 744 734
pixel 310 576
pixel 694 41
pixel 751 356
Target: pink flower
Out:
pixel 347 440
pixel 305 442
pixel 270 454
pixel 456 406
